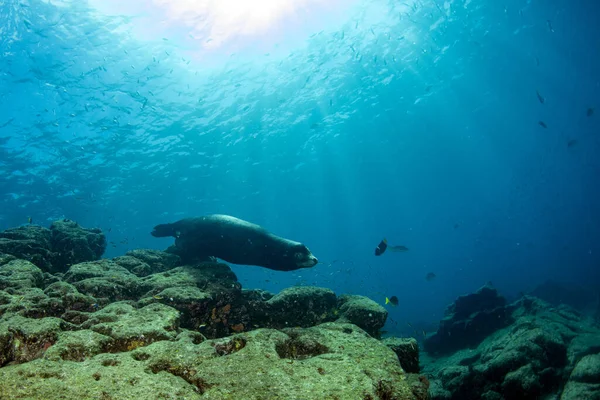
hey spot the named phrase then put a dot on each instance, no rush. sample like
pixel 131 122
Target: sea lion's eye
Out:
pixel 298 256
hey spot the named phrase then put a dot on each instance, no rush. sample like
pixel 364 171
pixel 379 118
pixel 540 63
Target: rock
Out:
pixel 582 345
pixel 69 298
pixel 584 382
pixel 131 328
pixel 587 370
pixel 31 243
pixel 6 258
pixel 79 346
pixel 407 350
pixel 362 311
pixel 19 275
pixel 468 321
pixel 104 279
pixel 25 339
pixel 54 249
pixel 322 362
pixel 73 244
pixel 523 383
pixel 299 306
pixel 208 297
pixel 145 262
pixel 529 359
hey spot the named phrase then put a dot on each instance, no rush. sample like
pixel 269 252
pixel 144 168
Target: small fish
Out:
pixel 456 226
pixel 543 124
pixel 430 276
pixel 571 142
pixel 398 248
pixel 550 27
pixel 589 112
pixel 424 333
pixel 540 97
pixel 30 220
pixel 392 300
pixel 157 297
pixel 381 247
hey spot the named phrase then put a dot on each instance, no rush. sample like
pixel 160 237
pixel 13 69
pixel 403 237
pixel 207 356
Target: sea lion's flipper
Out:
pixel 164 230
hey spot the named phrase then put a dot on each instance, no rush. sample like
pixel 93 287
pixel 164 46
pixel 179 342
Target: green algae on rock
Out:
pixel 144 262
pixel 362 311
pixel 131 328
pixel 55 249
pixel 119 329
pixel 336 365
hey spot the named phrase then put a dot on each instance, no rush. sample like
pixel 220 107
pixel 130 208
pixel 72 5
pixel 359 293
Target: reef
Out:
pixel 144 325
pixel 469 320
pixel 533 351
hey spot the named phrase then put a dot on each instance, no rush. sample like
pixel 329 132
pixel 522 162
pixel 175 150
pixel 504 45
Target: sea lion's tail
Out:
pixel 163 230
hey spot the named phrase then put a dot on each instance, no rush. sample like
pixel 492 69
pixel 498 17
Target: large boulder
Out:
pixel 73 244
pixel 32 243
pixel 55 249
pixel 469 320
pixel 584 382
pixel 299 306
pixel 362 311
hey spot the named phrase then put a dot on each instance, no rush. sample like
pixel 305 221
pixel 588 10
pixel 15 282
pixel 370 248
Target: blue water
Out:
pixel 337 126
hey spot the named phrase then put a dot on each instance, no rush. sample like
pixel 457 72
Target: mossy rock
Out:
pixel 132 328
pixel 18 275
pixel 104 279
pixel 79 346
pixel 338 361
pixel 362 311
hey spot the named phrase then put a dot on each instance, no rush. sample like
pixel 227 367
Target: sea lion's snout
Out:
pixel 308 261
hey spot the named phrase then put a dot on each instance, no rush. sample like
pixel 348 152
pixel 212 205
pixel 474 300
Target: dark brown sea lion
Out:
pixel 236 241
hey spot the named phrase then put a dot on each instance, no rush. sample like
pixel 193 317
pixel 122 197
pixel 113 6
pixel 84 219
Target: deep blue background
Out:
pixel 423 132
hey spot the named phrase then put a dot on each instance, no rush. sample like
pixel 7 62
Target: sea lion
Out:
pixel 236 241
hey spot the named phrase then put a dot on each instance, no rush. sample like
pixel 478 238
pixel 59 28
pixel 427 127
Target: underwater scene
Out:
pixel 300 199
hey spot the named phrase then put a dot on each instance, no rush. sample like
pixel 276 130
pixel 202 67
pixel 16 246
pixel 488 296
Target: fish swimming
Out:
pixel 383 246
pixel 430 276
pixel 392 300
pixel 540 97
pixel 543 124
pixel 589 112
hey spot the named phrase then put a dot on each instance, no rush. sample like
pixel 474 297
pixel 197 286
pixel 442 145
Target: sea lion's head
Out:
pixel 164 230
pixel 303 258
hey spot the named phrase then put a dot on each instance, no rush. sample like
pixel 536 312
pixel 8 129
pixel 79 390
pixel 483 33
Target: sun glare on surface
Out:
pixel 231 24
pixel 225 18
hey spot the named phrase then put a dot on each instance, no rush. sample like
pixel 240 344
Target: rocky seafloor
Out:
pixel 145 326
pixel 526 350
